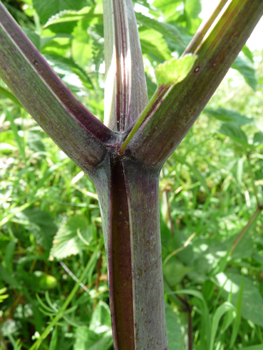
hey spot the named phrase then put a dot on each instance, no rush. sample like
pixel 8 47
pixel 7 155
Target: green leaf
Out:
pixel 254 347
pixel 55 6
pixel 71 238
pixel 220 311
pixel 234 132
pixel 2 295
pixel 195 171
pixel 151 86
pixel 246 68
pixel 174 334
pixel 205 328
pixel 9 95
pixel 54 339
pixel 237 320
pixel 166 29
pixel 167 6
pixel 226 115
pixel 8 278
pixel 252 303
pixel 193 7
pixel 82 44
pixel 34 140
pixel 248 53
pixel 72 16
pixel 42 280
pixel 101 319
pixel 181 271
pixel 258 138
pixel 71 73
pixel 153 44
pixel 33 36
pixel 9 253
pixel 40 224
pixel 87 339
pixel 174 71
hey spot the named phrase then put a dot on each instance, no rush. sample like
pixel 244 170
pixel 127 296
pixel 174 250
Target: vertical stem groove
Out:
pixel 120 262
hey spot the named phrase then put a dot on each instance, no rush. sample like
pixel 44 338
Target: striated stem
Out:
pixel 251 221
pixel 75 130
pixel 165 127
pixel 205 27
pixel 133 245
pixel 125 86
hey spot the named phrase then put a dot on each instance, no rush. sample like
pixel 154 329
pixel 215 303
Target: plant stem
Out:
pixel 153 103
pixel 245 229
pixel 133 246
pixel 204 28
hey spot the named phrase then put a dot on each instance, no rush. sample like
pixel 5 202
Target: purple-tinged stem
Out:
pixel 164 129
pixel 133 245
pixel 75 130
pixel 125 86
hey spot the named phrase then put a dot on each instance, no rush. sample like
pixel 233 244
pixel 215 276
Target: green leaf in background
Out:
pixel 34 139
pixel 38 280
pixel 258 138
pixel 245 67
pixel 33 36
pixel 45 11
pixel 153 44
pixel 71 73
pixel 8 278
pixel 87 339
pixel 166 29
pixel 195 171
pixel 99 334
pixel 9 253
pixel 43 280
pixel 40 224
pixel 237 320
pixel 97 35
pixel 72 237
pixel 101 320
pixel 9 95
pixel 82 44
pixel 220 311
pixel 205 330
pixel 254 347
pixel 252 304
pixel 167 6
pixel 227 115
pixel 248 53
pixel 151 86
pixel 2 295
pixel 174 271
pixel 72 16
pixel 174 334
pixel 234 132
pixel 174 71
pixel 193 7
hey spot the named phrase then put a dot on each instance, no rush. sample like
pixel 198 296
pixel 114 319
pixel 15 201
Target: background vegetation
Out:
pixel 211 197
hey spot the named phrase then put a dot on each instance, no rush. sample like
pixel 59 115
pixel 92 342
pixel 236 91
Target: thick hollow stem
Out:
pixel 125 86
pixel 166 126
pixel 75 130
pixel 134 253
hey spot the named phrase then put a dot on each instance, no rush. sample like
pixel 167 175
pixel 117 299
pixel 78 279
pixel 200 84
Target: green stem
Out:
pixel 154 102
pixel 66 303
pixel 204 28
pixel 245 229
pixel 252 177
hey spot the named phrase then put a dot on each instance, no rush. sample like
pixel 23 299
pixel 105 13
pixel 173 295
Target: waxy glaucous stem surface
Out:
pixel 127 182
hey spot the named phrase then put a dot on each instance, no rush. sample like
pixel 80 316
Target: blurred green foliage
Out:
pixel 211 195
